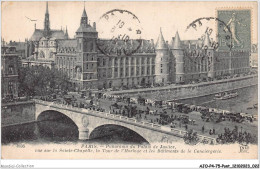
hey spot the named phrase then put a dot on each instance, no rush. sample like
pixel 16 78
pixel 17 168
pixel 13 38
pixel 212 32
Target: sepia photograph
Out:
pixel 129 80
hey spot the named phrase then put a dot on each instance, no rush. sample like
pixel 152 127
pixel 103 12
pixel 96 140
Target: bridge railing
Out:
pixel 178 132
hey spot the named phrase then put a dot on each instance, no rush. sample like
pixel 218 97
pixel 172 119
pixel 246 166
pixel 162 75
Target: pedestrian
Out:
pixel 210 132
pixel 186 127
pixel 214 132
pixel 202 129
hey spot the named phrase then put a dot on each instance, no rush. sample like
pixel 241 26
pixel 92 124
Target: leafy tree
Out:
pixel 39 80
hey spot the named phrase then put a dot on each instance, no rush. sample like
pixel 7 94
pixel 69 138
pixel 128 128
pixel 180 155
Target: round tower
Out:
pixel 161 60
pixel 179 58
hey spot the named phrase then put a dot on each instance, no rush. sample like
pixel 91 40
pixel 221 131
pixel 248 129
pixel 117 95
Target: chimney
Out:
pixel 152 42
pixel 94 25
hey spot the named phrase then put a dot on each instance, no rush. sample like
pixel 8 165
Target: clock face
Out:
pixel 119 32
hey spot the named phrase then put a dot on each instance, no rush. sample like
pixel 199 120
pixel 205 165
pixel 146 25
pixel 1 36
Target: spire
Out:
pixel 84 18
pixel 84 14
pixel 47 21
pixel 206 40
pixel 47 8
pixel 160 44
pixel 66 33
pixel 177 41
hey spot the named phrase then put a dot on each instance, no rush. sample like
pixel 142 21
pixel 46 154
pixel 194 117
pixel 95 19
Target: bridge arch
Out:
pixel 58 125
pixel 122 133
pixel 53 115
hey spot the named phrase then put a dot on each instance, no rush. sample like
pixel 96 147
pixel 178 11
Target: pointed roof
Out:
pixel 160 44
pixel 206 40
pixel 177 41
pixel 47 8
pixel 84 14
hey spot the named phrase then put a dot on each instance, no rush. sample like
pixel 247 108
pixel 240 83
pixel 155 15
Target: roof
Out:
pixel 135 45
pixel 58 34
pixel 67 46
pixel 18 45
pixel 160 44
pixel 82 28
pixel 84 14
pixel 39 33
pixel 177 41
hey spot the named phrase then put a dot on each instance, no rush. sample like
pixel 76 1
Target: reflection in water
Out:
pixel 59 132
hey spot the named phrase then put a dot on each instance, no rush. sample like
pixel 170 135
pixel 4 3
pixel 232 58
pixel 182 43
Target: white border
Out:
pixel 127 163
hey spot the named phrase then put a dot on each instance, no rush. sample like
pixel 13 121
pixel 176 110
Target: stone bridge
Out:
pixel 87 120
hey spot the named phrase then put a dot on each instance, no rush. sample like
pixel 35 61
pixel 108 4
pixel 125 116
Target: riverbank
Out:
pixel 173 92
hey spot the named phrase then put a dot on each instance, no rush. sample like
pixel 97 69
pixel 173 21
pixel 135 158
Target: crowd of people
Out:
pixel 232 136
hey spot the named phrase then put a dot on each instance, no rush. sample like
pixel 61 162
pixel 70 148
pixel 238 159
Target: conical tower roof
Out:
pixel 177 41
pixel 160 44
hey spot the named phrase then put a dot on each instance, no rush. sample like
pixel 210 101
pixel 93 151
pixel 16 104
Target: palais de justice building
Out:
pixel 161 62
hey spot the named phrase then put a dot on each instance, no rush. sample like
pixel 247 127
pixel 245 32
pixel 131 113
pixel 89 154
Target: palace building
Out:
pixel 159 63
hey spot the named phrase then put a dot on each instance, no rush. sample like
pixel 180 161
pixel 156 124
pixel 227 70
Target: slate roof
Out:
pixel 160 44
pixel 82 28
pixel 67 46
pixel 132 45
pixel 39 33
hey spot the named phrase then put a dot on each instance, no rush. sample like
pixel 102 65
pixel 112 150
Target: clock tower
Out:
pixel 86 36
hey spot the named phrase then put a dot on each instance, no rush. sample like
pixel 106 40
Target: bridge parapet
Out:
pixel 132 121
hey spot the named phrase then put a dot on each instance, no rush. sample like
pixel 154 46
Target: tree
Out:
pixel 39 80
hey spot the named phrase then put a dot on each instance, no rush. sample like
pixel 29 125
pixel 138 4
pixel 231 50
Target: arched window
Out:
pixel 42 55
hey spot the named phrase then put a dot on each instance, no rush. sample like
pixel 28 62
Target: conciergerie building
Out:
pixel 153 63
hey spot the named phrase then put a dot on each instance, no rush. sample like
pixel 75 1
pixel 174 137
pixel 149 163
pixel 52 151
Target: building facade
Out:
pixel 181 61
pixel 9 72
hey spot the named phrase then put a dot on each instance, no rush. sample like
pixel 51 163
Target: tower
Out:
pixel 177 52
pixel 66 33
pixel 161 60
pixel 86 37
pixel 209 52
pixel 47 21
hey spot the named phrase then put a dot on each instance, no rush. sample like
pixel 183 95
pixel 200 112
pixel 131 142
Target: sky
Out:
pixel 169 16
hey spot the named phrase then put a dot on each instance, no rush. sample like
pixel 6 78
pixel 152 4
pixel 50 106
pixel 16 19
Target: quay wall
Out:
pixel 16 113
pixel 192 90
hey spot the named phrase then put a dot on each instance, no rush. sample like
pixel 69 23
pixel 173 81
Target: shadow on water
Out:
pixel 54 127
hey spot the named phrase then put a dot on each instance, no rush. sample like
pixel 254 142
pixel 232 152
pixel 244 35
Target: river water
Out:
pixel 63 130
pixel 247 97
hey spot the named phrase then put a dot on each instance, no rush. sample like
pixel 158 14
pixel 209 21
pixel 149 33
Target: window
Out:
pixel 148 60
pixel 161 65
pixel 132 71
pixel 161 70
pixel 98 62
pixel 126 61
pixel 132 61
pixel 11 69
pixel 10 87
pixel 104 61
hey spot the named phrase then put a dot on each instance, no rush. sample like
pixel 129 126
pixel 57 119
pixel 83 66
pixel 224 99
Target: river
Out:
pixel 247 97
pixel 63 130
